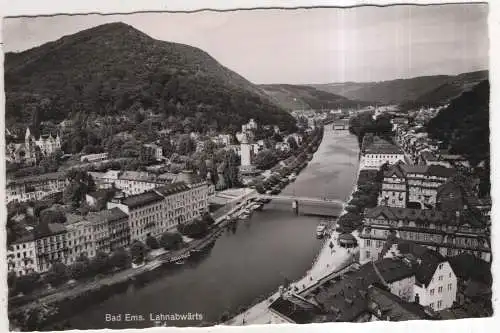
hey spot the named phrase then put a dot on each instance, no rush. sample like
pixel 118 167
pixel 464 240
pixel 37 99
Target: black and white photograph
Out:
pixel 247 167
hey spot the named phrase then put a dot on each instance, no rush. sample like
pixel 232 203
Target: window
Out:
pixel 432 292
pixel 439 304
pixel 449 286
pixel 368 242
pixel 440 266
pixel 440 289
pixel 431 305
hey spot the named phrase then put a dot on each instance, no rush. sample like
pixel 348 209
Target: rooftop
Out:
pixel 386 305
pixel 142 199
pixel 38 178
pixel 173 188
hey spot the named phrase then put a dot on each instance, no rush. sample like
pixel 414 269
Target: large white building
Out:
pixel 376 156
pixel 35 187
pixel 435 282
pixel 21 256
pixel 130 182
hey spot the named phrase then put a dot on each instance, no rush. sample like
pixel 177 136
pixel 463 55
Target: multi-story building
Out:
pixel 94 157
pixel 118 234
pixel 79 238
pixel 377 153
pixel 35 187
pixel 151 151
pixel 435 281
pixel 447 232
pixel 48 144
pixel 183 202
pixel 21 256
pixel 145 213
pixel 51 245
pixel 416 184
pixel 130 182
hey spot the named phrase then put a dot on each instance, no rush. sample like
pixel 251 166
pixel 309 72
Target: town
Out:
pixel 149 184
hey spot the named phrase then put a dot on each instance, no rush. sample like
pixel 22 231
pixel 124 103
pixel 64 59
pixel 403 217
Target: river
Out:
pixel 250 262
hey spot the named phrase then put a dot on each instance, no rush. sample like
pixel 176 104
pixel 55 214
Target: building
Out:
pixel 398 121
pixel 151 151
pixel 94 157
pixel 50 245
pixel 145 211
pixel 183 202
pixel 373 157
pixel 47 143
pixel 78 238
pixel 246 151
pixel 447 232
pixel 130 182
pixel 35 187
pixel 378 290
pixel 110 228
pixel 413 185
pixel 435 281
pixel 21 256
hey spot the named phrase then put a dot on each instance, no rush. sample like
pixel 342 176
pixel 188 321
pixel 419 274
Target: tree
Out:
pixel 292 143
pixel 57 274
pixel 78 270
pixel 138 252
pixel 186 145
pixel 120 259
pixel 265 159
pixel 100 263
pixel 152 242
pixel 171 240
pixel 195 229
pixel 207 218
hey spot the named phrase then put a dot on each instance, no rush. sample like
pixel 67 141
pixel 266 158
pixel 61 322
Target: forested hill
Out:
pixel 464 125
pixel 422 90
pixel 116 69
pixel 294 97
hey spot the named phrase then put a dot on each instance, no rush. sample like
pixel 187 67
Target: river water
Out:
pixel 250 262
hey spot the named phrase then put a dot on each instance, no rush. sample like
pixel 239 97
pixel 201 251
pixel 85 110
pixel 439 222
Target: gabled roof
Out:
pixel 108 215
pixel 393 307
pixel 428 260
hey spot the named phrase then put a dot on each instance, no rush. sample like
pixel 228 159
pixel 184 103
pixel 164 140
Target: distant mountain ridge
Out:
pixel 422 90
pixel 296 97
pixel 114 68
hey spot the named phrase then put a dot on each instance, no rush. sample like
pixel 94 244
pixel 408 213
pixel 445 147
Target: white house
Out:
pixel 21 256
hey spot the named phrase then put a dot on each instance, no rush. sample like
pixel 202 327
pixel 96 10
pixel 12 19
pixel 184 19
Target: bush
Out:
pixel 195 229
pixel 152 243
pixel 171 241
pixel 138 252
pixel 120 259
pixel 57 274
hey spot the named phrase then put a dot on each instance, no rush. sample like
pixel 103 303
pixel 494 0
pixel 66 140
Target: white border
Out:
pixel 48 7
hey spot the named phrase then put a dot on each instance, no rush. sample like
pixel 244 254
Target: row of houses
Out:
pixel 35 187
pixel 131 218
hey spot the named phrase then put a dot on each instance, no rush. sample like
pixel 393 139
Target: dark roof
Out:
pixel 296 311
pixel 429 170
pixel 383 149
pixel 428 156
pixel 347 298
pixel 142 199
pixel 347 237
pixel 101 194
pixel 392 307
pixel 110 215
pixel 172 188
pixel 426 263
pixel 25 237
pixel 42 231
pixel 38 178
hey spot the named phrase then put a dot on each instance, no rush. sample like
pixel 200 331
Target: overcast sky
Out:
pixel 307 45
